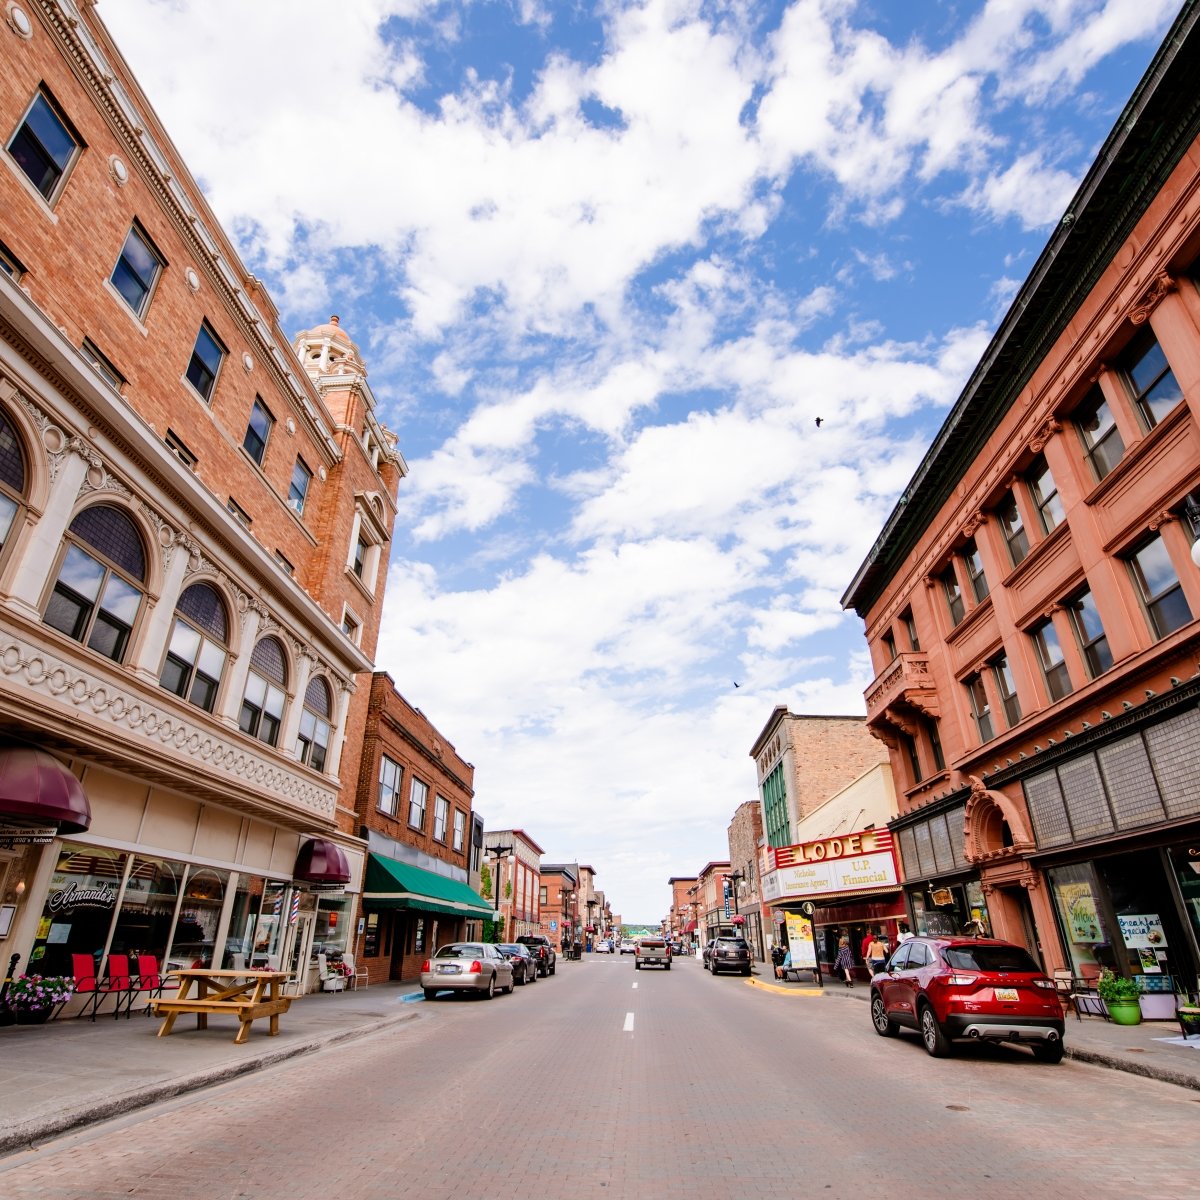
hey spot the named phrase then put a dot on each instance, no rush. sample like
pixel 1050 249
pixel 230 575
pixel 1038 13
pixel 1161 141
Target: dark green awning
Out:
pixel 394 884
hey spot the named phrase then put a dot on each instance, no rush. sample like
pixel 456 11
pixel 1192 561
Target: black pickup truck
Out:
pixel 542 951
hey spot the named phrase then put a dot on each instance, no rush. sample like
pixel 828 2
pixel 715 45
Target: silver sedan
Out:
pixel 467 967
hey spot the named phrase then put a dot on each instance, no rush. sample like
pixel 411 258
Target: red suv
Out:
pixel 956 988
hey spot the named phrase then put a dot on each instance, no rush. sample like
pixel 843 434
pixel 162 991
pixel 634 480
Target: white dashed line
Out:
pixel 628 1023
pixel 635 985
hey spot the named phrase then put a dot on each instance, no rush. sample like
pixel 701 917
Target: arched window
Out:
pixel 96 596
pixel 12 478
pixel 197 653
pixel 313 742
pixel 262 703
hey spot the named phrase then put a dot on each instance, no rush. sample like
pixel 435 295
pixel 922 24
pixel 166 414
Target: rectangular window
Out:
pixel 910 627
pixel 914 760
pixel 1151 381
pixel 298 488
pixel 953 594
pixel 1006 689
pixel 44 146
pixel 205 362
pixel 441 818
pixel 935 744
pixel 1158 587
pixel 177 447
pixel 350 627
pixel 285 562
pixel 1014 529
pixel 10 264
pixel 980 709
pixel 360 556
pixel 1101 437
pixel 889 646
pixel 542 897
pixel 389 786
pixel 418 796
pixel 1045 494
pixel 137 270
pixel 1050 655
pixel 258 431
pixel 102 366
pixel 974 565
pixel 238 511
pixel 460 829
pixel 1089 633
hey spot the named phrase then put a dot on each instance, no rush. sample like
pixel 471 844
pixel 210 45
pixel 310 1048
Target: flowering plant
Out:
pixel 40 991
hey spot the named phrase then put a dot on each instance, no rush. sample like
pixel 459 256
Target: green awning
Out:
pixel 394 884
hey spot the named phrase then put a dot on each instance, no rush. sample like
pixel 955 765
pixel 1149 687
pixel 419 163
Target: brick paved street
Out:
pixel 718 1089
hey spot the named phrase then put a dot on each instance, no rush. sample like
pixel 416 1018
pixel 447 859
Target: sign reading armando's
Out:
pixel 852 862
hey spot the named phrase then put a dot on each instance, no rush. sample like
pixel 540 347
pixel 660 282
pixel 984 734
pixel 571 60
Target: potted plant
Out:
pixel 34 997
pixel 1121 997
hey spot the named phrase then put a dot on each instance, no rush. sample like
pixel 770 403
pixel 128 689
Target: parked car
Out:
pixel 467 966
pixel 956 989
pixel 652 952
pixel 540 947
pixel 524 964
pixel 727 954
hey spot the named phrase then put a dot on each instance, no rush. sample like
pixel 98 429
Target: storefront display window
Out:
pixel 332 917
pixel 1085 934
pixel 148 907
pixel 254 923
pixel 199 918
pixel 79 908
pixel 951 910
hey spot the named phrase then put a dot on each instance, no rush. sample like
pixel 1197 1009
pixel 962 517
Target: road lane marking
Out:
pixel 628 1023
pixel 635 985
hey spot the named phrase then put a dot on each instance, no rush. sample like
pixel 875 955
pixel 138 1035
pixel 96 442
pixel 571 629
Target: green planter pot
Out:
pixel 1124 1012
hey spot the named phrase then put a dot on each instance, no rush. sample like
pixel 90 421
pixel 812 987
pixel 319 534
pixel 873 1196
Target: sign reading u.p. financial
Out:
pixel 855 862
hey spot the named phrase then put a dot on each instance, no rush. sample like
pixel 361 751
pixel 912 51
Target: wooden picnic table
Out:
pixel 246 994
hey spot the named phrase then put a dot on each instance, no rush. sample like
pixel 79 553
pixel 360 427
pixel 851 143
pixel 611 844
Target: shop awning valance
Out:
pixel 37 789
pixel 394 884
pixel 690 927
pixel 321 861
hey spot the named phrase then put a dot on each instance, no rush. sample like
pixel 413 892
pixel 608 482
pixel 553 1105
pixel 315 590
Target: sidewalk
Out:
pixel 1153 1048
pixel 69 1073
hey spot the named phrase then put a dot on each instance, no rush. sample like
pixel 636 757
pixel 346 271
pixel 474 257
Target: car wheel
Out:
pixel 1049 1052
pixel 936 1042
pixel 551 971
pixel 746 971
pixel 884 1025
pixel 533 975
pixel 668 966
pixel 430 993
pixel 512 986
pixel 491 987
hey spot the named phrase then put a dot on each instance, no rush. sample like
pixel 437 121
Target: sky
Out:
pixel 664 300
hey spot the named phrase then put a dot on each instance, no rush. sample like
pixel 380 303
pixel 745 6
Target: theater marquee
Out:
pixel 854 862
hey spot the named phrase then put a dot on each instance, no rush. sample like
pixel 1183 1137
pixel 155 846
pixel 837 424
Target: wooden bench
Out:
pixel 244 997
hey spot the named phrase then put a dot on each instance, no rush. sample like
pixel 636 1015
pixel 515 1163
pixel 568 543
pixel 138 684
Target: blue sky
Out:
pixel 607 264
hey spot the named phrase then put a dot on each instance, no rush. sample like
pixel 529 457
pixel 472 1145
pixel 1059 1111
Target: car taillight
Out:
pixel 425 966
pixel 958 979
pixel 475 968
pixel 1048 984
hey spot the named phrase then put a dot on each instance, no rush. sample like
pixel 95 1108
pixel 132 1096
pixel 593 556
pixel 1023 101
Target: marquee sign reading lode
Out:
pixel 856 862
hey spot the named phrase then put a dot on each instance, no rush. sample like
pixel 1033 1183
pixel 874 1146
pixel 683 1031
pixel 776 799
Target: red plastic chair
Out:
pixel 149 981
pixel 116 983
pixel 83 967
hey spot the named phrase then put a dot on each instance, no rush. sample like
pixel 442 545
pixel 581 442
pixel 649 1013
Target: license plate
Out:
pixel 1006 993
pixel 452 970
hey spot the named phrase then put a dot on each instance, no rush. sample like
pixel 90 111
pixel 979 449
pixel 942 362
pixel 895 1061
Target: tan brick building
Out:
pixel 745 835
pixel 1031 605
pixel 194 519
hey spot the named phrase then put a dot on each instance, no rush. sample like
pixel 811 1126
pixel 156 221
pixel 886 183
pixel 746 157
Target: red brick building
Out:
pixel 516 861
pixel 682 918
pixel 1031 604
pixel 415 798
pixel 194 520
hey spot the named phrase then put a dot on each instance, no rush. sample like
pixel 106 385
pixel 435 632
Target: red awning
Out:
pixel 690 927
pixel 37 789
pixel 320 861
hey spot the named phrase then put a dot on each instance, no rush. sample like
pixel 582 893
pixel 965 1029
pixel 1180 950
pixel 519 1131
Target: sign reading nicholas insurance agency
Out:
pixel 851 862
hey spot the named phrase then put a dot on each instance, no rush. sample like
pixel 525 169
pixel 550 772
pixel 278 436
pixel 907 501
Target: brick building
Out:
pixel 194 539
pixel 415 798
pixel 558 900
pixel 714 902
pixel 1031 603
pixel 745 836
pixel 516 880
pixel 682 918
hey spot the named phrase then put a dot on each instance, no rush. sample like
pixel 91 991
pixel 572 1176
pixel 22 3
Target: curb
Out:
pixel 1163 1074
pixel 24 1136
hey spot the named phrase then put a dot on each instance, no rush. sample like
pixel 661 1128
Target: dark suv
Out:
pixel 727 954
pixel 955 988
pixel 542 951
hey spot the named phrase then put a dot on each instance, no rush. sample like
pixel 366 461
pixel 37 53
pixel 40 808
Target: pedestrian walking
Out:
pixel 845 961
pixel 876 955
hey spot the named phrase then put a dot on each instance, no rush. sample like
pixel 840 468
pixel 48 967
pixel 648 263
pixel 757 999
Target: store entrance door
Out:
pixel 299 952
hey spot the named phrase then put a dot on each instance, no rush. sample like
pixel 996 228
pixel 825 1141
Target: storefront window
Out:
pixel 1186 862
pixel 952 910
pixel 332 918
pixel 1076 901
pixel 199 918
pixel 148 907
pixel 254 924
pixel 79 909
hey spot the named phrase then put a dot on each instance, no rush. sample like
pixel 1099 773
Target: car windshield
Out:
pixel 460 952
pixel 736 943
pixel 1010 959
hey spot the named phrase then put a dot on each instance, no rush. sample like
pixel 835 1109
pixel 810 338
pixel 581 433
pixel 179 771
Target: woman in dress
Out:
pixel 845 961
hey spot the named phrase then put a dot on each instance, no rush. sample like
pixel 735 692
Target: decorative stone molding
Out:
pixel 1161 518
pixel 150 727
pixel 18 21
pixel 972 523
pixel 1163 285
pixel 985 813
pixel 1038 442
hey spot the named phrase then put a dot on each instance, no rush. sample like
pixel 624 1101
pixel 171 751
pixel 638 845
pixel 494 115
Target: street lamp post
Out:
pixel 499 852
